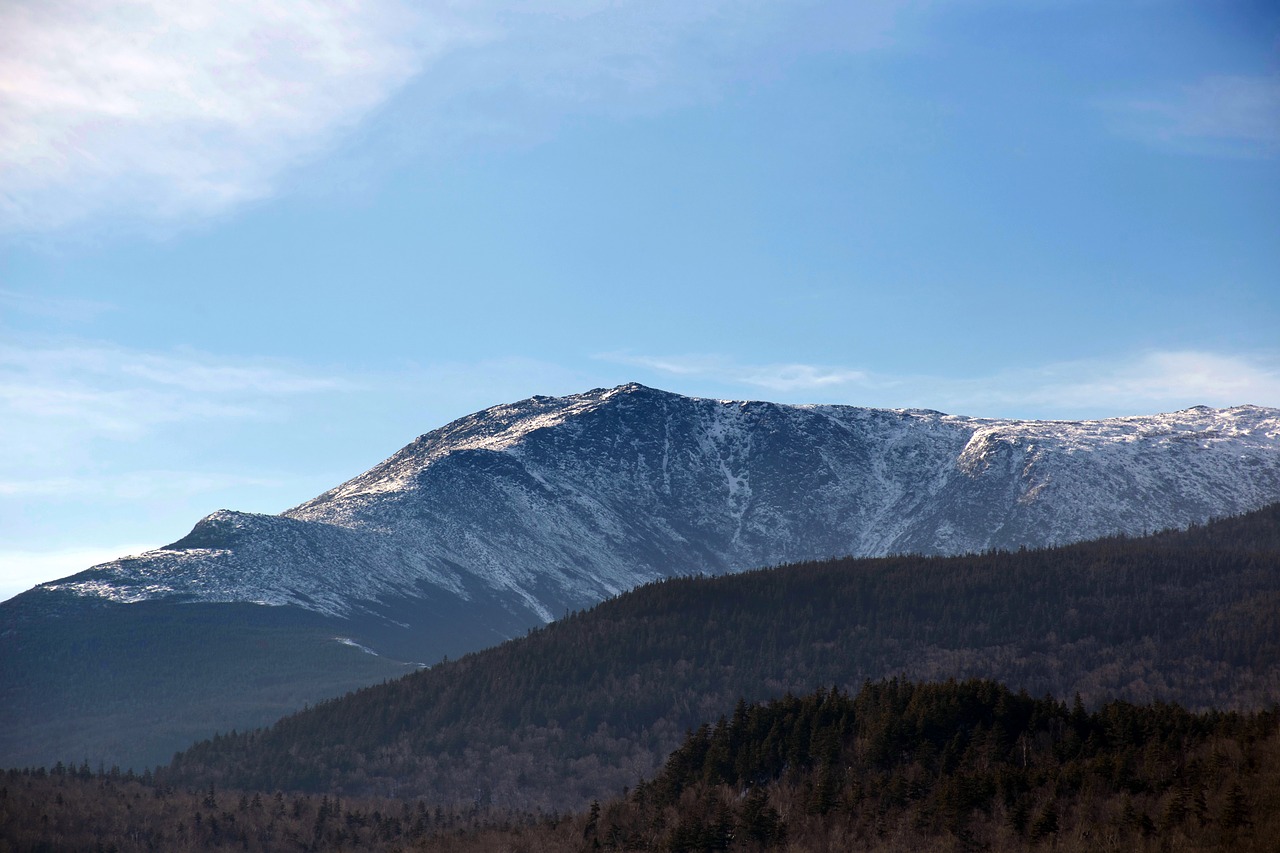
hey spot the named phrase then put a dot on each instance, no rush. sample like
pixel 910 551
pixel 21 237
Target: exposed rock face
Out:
pixel 508 517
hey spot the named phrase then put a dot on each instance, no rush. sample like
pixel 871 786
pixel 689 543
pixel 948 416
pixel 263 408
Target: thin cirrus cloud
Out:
pixel 1160 380
pixel 47 390
pixel 86 423
pixel 132 485
pixel 1224 115
pixel 773 377
pixel 1134 384
pixel 148 110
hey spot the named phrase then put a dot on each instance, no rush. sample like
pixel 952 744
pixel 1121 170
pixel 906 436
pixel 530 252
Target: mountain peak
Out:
pixel 555 502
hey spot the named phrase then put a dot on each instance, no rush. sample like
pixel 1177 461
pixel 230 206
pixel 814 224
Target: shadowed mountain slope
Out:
pixel 591 703
pixel 517 513
pixel 502 520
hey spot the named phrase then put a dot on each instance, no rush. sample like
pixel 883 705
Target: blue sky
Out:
pixel 247 250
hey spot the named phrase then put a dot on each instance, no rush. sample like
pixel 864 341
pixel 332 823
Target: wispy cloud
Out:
pixel 1143 382
pixel 786 377
pixel 1229 115
pixel 100 390
pixel 96 437
pixel 155 111
pixel 130 485
pixel 1133 384
pixel 182 108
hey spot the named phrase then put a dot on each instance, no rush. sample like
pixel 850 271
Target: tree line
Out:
pixel 899 765
pixel 593 702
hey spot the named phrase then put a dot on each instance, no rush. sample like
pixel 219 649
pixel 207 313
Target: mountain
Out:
pixel 555 503
pixel 505 519
pixel 579 709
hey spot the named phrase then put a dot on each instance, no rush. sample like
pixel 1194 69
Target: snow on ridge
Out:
pixel 503 428
pixel 600 491
pixel 497 428
pixel 347 641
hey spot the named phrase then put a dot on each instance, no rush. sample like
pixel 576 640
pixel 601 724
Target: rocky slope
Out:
pixel 505 519
pixel 525 510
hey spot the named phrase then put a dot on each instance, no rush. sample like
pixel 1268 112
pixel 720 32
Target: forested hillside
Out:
pixel 966 766
pixel 900 766
pixel 594 702
pixel 508 518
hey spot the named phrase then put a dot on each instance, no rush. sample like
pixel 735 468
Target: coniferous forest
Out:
pixel 753 712
pixel 576 711
pixel 899 766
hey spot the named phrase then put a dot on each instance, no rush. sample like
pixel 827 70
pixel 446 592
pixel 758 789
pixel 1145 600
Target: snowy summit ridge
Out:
pixel 551 503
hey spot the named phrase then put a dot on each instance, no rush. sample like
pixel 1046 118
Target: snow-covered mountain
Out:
pixel 519 512
pixel 499 521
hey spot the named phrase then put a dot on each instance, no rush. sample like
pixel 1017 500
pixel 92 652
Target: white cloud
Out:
pixel 157 111
pixel 1133 384
pixel 1233 115
pixel 110 104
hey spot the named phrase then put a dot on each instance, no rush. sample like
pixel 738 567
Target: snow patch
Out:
pixel 347 641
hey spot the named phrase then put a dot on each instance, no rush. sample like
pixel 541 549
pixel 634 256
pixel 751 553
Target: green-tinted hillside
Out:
pixel 592 703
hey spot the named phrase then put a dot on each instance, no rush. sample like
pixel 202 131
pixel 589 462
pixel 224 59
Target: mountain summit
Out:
pixel 507 518
pixel 525 510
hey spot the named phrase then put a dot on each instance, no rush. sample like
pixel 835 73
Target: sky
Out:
pixel 250 249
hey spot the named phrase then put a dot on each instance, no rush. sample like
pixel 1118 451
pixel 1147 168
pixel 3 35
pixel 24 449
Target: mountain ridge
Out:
pixel 594 701
pixel 495 523
pixel 595 493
